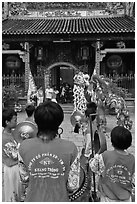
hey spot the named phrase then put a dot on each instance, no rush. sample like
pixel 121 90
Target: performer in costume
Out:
pixel 107 96
pixel 98 90
pixel 104 93
pixel 78 92
pixel 83 92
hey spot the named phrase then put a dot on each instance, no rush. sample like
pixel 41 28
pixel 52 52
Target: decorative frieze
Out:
pixel 121 44
pixel 65 9
pixel 5 46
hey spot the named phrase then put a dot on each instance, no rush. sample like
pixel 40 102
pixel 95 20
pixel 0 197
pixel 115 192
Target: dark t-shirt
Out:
pixel 48 164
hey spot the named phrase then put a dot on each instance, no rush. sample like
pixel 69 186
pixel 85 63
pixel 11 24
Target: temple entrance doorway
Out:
pixel 62 80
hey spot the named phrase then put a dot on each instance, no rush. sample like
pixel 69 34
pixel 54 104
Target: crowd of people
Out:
pixel 38 96
pixel 45 168
pixel 64 95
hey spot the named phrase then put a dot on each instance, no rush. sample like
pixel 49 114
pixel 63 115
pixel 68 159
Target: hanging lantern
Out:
pixel 114 61
pixel 13 62
pixel 84 53
pixel 40 53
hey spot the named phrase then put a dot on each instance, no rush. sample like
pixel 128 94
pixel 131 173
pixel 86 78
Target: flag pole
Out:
pixel 32 87
pixel 93 152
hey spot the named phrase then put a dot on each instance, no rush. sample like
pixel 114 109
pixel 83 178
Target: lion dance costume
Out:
pixel 101 91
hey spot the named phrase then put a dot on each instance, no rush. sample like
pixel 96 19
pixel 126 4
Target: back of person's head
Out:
pixel 91 109
pixel 7 115
pixel 48 116
pixel 121 138
pixel 30 110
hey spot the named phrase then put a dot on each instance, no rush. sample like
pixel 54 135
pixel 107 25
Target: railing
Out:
pixel 126 81
pixel 19 80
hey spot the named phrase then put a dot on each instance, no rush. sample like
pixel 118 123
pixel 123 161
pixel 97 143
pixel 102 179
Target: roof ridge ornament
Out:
pixel 5 46
pixel 121 44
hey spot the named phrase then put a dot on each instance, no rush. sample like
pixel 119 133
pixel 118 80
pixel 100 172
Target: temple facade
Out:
pixel 55 40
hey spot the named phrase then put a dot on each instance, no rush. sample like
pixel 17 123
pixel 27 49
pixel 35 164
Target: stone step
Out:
pixel 131 109
pixel 130 101
pixel 67 108
pixel 65 105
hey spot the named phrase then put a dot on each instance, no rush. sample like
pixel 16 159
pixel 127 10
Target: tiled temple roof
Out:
pixel 68 25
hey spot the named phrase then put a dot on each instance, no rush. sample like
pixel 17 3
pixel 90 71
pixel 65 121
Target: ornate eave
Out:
pixel 38 26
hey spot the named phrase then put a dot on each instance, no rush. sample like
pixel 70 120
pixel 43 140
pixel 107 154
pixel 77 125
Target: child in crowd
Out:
pixel 30 113
pixel 116 168
pixel 10 156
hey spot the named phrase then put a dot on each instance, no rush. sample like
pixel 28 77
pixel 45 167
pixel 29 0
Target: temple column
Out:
pixel 97 45
pixel 27 65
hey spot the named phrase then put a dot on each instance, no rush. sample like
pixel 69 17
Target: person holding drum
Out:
pixel 26 129
pixel 98 135
pixel 45 160
pixel 95 142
